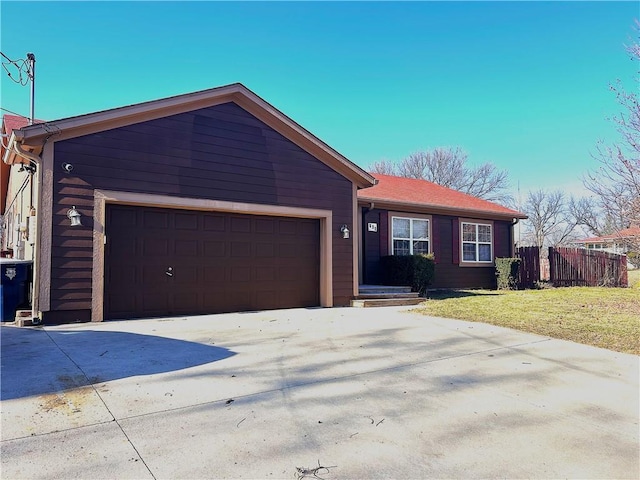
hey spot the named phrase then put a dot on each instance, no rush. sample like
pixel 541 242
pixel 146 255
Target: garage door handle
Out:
pixel 169 272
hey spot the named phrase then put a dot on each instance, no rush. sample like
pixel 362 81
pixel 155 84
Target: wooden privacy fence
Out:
pixel 529 270
pixel 570 267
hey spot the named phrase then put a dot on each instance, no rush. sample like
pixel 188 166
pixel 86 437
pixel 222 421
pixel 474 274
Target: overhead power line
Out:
pixel 22 71
pixel 13 113
pixel 25 72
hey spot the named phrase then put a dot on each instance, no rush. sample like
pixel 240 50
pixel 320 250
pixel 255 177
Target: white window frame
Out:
pixel 410 217
pixel 477 243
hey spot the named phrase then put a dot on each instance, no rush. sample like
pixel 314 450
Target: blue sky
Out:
pixel 524 85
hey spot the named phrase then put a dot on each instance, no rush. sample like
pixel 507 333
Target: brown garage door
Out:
pixel 174 262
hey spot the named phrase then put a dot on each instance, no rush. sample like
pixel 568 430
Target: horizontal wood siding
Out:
pixel 448 273
pixel 218 153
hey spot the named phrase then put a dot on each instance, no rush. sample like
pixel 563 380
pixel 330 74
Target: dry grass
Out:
pixel 634 278
pixel 602 317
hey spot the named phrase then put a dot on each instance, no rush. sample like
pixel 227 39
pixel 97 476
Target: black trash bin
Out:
pixel 15 286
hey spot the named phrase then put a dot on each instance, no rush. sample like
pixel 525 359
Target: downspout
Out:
pixel 35 287
pixel 513 240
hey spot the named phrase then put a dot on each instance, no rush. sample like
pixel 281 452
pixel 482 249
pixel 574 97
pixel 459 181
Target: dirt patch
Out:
pixel 69 402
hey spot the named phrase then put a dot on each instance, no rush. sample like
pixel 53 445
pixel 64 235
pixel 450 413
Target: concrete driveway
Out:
pixel 366 393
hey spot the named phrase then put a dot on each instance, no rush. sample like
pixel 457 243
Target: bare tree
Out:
pixel 616 183
pixel 550 221
pixel 448 167
pixel 383 167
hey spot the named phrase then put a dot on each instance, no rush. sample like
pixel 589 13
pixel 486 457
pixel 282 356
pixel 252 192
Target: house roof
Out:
pixel 13 122
pixel 400 192
pixel 33 137
pixel 620 234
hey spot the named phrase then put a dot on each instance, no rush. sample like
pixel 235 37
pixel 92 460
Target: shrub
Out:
pixel 416 271
pixel 507 273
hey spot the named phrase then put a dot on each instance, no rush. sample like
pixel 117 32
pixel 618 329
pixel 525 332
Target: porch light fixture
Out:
pixel 74 216
pixel 345 231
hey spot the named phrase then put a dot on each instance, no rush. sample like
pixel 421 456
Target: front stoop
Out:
pixel 23 319
pixel 385 296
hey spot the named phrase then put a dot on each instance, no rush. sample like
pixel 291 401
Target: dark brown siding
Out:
pixel 219 153
pixel 445 241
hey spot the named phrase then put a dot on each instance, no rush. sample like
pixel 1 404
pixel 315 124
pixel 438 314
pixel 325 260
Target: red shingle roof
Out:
pixel 626 233
pixel 14 122
pixel 411 192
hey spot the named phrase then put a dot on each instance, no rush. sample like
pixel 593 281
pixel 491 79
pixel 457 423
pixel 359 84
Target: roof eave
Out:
pixel 442 209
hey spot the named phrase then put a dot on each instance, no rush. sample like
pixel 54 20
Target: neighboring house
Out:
pixel 618 242
pixel 215 201
pixel 16 197
pixel 407 216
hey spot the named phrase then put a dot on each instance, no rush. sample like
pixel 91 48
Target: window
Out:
pixel 476 242
pixel 409 236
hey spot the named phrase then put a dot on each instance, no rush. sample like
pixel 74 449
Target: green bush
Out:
pixel 416 271
pixel 507 273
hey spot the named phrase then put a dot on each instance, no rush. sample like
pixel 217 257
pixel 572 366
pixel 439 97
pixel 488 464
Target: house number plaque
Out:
pixel 372 227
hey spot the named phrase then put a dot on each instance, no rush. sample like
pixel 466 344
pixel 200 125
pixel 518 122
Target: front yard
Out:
pixel 602 317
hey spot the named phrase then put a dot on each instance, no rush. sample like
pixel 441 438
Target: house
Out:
pixel 408 216
pixel 17 185
pixel 215 201
pixel 620 242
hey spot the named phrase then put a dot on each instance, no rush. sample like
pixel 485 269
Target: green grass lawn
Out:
pixel 634 278
pixel 602 317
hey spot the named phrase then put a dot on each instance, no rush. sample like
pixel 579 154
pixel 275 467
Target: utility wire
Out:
pixel 14 113
pixel 23 68
pixel 24 184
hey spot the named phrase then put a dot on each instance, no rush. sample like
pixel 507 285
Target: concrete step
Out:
pixel 368 289
pixel 366 296
pixel 385 302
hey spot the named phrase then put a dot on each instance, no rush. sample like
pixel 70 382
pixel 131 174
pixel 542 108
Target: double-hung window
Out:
pixel 409 236
pixel 477 245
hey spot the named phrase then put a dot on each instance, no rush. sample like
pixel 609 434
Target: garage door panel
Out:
pixel 155 247
pixel 184 274
pixel 269 299
pixel 287 227
pixel 155 219
pixel 265 226
pixel 186 221
pixel 213 222
pixel 241 224
pixel 151 275
pixel 185 303
pixel 264 250
pixel 121 305
pixel 155 303
pixel 228 262
pixel 240 274
pixel 214 249
pixel 186 248
pixel 241 249
pixel 214 275
pixel 265 274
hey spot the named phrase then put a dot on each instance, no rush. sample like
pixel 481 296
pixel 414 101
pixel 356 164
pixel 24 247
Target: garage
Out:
pixel 207 202
pixel 163 262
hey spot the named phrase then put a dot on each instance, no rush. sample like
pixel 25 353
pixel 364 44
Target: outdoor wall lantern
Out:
pixel 345 231
pixel 74 216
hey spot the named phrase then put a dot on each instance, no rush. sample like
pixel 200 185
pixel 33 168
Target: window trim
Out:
pixel 410 216
pixel 476 263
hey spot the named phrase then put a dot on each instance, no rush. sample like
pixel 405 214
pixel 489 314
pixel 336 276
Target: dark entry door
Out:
pixel 162 262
